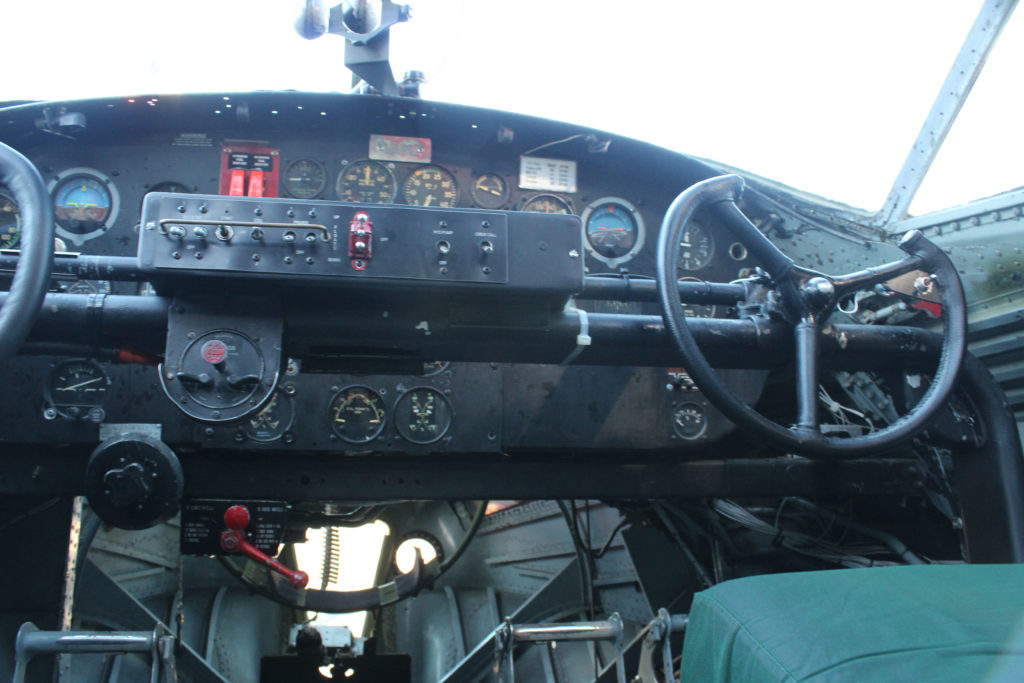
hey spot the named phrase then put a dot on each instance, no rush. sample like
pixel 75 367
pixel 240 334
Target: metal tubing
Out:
pixel 577 630
pixel 70 265
pixel 31 641
pixel 141 321
pixel 642 289
pixel 806 334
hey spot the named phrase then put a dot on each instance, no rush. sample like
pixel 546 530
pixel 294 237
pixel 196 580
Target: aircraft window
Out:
pixel 981 155
pixel 342 559
pixel 405 556
pixel 861 107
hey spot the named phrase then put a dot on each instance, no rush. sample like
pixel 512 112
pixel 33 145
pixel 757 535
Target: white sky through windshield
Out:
pixel 826 97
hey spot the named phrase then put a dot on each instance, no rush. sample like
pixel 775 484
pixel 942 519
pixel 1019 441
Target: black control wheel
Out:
pixel 806 299
pixel 28 288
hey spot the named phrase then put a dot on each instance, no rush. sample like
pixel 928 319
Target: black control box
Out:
pixel 202 522
pixel 248 239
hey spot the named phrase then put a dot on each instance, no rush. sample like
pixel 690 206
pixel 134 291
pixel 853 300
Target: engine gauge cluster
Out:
pixel 359 415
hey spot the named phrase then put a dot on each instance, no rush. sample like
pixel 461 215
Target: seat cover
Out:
pixel 913 623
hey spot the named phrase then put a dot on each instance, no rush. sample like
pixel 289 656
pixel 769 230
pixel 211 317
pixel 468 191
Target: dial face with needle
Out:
pixel 369 182
pixel 77 385
pixel 696 246
pixel 304 178
pixel 431 186
pixel 489 191
pixel 273 421
pixel 357 414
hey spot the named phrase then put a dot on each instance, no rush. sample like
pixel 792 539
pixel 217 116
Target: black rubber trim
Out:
pixel 725 190
pixel 22 304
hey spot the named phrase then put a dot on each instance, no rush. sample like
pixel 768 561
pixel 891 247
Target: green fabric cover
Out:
pixel 916 623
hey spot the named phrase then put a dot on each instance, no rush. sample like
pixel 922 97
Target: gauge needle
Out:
pixel 430 198
pixel 80 384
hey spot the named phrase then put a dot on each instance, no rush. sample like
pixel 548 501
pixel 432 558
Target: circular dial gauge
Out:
pixel 490 191
pixel 696 247
pixel 367 182
pixel 76 385
pixel 422 415
pixel 689 421
pixel 305 178
pixel 613 229
pixel 10 222
pixel 273 421
pixel 357 414
pixel 547 203
pixel 82 204
pixel 431 186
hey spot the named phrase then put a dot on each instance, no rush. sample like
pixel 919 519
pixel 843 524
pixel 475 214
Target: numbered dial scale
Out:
pixel 357 414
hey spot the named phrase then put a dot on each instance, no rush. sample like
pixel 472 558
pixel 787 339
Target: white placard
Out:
pixel 553 175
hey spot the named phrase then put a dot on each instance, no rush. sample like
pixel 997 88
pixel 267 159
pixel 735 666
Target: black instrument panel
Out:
pixel 467 159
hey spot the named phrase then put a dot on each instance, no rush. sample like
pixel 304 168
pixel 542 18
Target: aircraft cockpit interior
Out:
pixel 365 386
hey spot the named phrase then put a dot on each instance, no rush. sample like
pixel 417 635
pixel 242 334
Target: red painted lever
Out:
pixel 236 518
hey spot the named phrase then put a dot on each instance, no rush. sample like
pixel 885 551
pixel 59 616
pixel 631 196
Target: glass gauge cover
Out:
pixel 490 191
pixel 423 415
pixel 357 414
pixel 689 421
pixel 75 386
pixel 367 182
pixel 10 222
pixel 431 186
pixel 273 421
pixel 547 203
pixel 696 247
pixel 613 229
pixel 305 178
pixel 82 204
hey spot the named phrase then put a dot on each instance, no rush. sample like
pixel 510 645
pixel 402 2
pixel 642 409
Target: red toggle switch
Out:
pixel 236 188
pixel 256 183
pixel 236 518
pixel 360 240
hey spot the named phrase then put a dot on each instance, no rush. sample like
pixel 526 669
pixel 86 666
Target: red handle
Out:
pixel 236 518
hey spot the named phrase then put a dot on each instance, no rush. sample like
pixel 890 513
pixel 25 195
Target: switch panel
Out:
pixel 334 243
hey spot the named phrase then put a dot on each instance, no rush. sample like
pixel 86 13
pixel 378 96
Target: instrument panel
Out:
pixel 438 156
